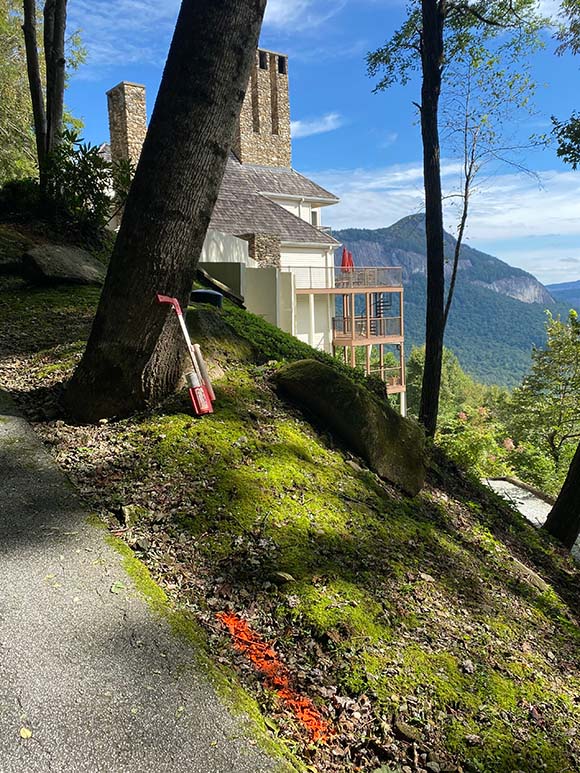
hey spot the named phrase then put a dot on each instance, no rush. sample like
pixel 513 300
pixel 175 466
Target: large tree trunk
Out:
pixel 564 519
pixel 433 15
pixel 54 52
pixel 133 357
pixel 35 82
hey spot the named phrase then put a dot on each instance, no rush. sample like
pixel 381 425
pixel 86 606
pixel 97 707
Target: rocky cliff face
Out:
pixel 403 244
pixel 523 288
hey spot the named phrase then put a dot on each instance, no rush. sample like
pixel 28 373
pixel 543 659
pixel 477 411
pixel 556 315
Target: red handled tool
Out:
pixel 198 381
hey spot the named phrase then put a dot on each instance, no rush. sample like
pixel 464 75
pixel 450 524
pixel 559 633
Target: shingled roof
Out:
pixel 243 208
pixel 279 180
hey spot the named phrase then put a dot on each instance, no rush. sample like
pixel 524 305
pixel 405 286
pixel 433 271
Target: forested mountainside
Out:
pixel 499 310
pixel 568 293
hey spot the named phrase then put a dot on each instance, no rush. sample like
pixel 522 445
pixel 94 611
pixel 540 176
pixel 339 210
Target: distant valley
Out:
pixel 498 312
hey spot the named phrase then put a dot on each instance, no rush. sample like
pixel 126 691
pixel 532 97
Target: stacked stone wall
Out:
pixel 127 121
pixel 263 131
pixel 265 248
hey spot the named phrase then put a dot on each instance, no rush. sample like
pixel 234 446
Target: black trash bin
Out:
pixel 207 296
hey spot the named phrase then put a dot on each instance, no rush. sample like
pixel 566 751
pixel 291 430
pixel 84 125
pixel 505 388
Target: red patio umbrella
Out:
pixel 344 264
pixel 350 262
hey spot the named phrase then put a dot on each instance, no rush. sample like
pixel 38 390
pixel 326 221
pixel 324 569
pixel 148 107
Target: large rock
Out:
pixel 53 263
pixel 392 446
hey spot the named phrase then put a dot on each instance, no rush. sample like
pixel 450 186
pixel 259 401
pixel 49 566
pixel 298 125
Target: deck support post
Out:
pixel 311 319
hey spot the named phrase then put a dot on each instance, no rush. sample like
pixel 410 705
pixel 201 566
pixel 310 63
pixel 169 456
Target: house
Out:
pixel 266 240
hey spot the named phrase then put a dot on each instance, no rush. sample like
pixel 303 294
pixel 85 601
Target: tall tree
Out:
pixel 434 32
pixel 564 519
pixel 48 96
pixel 17 149
pixel 132 358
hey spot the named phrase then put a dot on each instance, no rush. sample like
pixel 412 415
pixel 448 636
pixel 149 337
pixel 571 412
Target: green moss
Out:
pixel 342 606
pixel 271 343
pixel 499 751
pixel 94 520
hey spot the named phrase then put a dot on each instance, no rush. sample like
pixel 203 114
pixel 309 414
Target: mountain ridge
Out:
pixel 498 312
pixel 404 242
pixel 567 292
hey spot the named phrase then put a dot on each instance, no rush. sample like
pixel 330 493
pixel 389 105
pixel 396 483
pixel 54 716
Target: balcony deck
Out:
pixel 362 331
pixel 334 280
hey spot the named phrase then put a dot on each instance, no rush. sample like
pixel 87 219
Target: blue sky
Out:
pixel 363 146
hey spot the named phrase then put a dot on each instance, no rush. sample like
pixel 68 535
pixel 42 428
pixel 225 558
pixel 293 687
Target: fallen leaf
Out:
pixel 117 587
pixel 25 732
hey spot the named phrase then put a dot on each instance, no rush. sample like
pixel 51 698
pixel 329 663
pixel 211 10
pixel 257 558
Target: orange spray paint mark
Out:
pixel 265 660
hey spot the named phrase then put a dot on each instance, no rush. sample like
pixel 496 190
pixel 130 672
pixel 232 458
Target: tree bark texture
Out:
pixel 564 519
pixel 54 52
pixel 35 81
pixel 432 51
pixel 134 353
pixel 457 251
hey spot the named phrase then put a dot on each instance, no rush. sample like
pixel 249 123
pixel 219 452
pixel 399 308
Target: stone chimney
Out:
pixel 127 120
pixel 263 132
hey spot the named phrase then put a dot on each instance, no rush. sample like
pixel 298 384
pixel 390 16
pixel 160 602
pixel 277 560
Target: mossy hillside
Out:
pixel 396 597
pixel 391 596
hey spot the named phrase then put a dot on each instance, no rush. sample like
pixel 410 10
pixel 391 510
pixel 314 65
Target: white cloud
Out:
pixel 321 125
pixel 124 31
pixel 139 31
pixel 512 216
pixel 291 16
pixel 549 8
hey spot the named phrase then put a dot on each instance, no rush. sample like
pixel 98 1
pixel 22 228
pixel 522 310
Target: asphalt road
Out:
pixel 533 508
pixel 96 678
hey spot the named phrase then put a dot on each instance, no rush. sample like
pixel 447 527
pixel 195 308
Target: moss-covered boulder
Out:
pixel 392 446
pixel 48 264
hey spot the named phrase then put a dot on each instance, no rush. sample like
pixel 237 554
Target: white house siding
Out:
pixel 291 206
pixel 313 267
pixel 261 293
pixel 223 248
pixel 312 321
pixel 297 207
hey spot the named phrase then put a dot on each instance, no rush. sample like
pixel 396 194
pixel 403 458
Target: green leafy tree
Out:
pixel 433 35
pixel 546 408
pixel 81 182
pixel 567 133
pixel 564 519
pixel 17 149
pixel 46 68
pixel 458 390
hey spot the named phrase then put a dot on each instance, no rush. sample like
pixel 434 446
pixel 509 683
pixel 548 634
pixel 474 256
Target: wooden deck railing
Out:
pixel 318 277
pixel 374 327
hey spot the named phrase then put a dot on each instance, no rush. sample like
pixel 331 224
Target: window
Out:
pixel 263 60
pixel 314 217
pixel 282 65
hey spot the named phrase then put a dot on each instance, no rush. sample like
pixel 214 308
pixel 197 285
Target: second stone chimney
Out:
pixel 263 131
pixel 127 120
